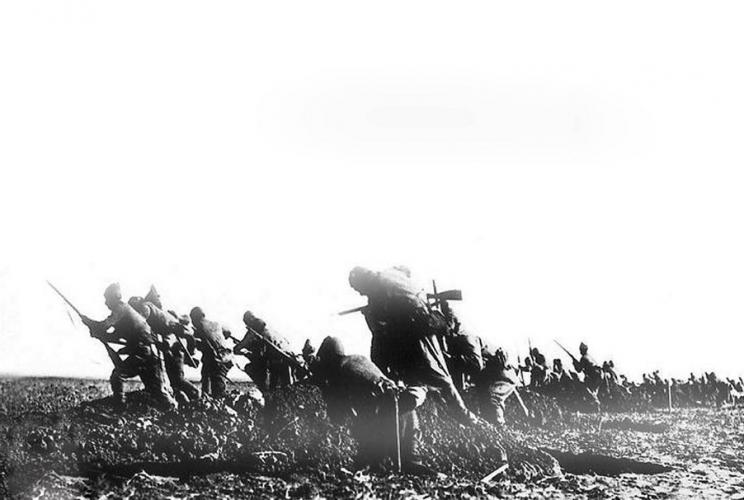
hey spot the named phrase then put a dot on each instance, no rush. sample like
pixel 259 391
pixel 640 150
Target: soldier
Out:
pixel 559 380
pixel 405 347
pixel 463 350
pixel 267 368
pixel 537 366
pixel 465 358
pixel 125 325
pixel 169 328
pixel 216 355
pixel 592 374
pixel 308 353
pixel 354 387
pixel 493 385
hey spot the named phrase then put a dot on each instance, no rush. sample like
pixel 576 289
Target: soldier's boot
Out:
pixel 410 447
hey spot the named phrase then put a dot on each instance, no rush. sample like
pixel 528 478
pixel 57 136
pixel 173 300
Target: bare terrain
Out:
pixel 61 438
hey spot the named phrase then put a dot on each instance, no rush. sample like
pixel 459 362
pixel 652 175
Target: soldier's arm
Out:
pixel 243 345
pixel 100 329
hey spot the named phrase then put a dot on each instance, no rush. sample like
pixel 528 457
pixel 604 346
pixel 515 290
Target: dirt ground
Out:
pixel 55 445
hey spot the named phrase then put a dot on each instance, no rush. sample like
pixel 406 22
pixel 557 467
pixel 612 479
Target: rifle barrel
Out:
pixel 565 350
pixel 67 301
pixel 113 355
pixel 276 349
pixel 352 310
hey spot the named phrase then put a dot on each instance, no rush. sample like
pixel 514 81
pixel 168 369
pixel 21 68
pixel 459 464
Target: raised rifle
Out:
pixel 567 352
pixel 112 354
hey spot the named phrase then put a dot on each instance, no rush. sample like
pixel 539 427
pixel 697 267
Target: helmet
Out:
pixel 113 292
pixel 196 314
pixel 248 317
pixel 331 348
pixel 138 304
pixel 154 297
pixel 583 347
pixel 360 279
pixel 253 321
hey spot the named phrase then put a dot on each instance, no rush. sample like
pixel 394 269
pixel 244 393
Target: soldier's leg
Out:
pixel 436 374
pixel 499 392
pixel 117 385
pixel 205 378
pixel 410 433
pixel 152 378
pixel 219 380
pixel 188 389
pixel 257 371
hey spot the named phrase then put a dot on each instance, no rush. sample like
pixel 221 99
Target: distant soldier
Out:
pixel 127 326
pixel 405 346
pixel 308 353
pixel 216 355
pixel 169 328
pixel 465 358
pixel 354 387
pixel 592 374
pixel 537 366
pixel 463 350
pixel 267 368
pixel 559 380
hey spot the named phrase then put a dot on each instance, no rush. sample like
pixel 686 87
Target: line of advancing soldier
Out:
pixel 417 347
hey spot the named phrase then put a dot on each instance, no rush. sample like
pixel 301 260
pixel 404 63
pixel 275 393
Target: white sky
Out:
pixel 575 168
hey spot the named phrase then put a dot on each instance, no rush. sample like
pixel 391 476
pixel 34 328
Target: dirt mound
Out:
pixel 475 451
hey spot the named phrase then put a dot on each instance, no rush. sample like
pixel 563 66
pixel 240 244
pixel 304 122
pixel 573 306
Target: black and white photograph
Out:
pixel 335 249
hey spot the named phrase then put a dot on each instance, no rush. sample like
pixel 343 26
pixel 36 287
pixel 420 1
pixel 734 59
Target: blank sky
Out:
pixel 575 168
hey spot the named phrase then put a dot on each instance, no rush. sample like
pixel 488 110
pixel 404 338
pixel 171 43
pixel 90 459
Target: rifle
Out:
pixel 519 369
pixel 529 345
pixel 566 351
pixel 352 310
pixel 279 351
pixel 113 355
pixel 436 296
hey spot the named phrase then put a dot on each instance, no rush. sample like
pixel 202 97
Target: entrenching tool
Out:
pixel 397 432
pixel 112 354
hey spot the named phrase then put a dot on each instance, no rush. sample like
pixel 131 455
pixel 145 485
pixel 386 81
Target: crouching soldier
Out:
pixel 354 387
pixel 216 355
pixel 170 329
pixel 125 325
